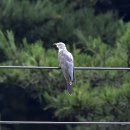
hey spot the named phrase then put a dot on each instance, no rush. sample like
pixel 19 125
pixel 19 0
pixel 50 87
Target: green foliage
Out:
pixel 33 54
pixel 97 96
pixel 52 21
pixel 103 26
pixel 98 41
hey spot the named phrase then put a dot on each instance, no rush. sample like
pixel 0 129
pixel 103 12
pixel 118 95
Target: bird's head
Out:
pixel 60 45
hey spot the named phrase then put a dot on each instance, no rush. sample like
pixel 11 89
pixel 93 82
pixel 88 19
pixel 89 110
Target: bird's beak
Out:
pixel 54 44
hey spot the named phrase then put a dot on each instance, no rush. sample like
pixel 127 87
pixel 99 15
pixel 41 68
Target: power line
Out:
pixel 60 123
pixel 76 68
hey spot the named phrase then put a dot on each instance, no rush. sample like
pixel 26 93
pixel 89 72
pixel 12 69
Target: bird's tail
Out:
pixel 69 88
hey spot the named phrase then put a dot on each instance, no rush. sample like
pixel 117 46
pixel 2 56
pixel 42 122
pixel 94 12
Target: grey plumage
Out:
pixel 66 64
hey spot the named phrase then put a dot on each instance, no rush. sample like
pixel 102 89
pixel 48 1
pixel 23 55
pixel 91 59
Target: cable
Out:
pixel 76 68
pixel 59 123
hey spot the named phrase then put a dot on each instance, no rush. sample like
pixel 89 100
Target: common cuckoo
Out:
pixel 66 64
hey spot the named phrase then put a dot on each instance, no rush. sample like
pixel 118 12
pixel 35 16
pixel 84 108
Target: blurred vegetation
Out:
pixel 52 21
pixel 28 30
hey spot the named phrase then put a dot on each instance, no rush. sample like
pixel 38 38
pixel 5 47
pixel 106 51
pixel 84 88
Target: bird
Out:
pixel 66 62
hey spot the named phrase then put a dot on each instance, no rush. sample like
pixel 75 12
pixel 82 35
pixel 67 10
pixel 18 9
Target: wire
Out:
pixel 59 123
pixel 76 68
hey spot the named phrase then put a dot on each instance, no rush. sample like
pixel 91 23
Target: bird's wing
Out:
pixel 67 65
pixel 71 70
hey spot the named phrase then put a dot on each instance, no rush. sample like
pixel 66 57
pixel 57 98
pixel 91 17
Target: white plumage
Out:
pixel 66 64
